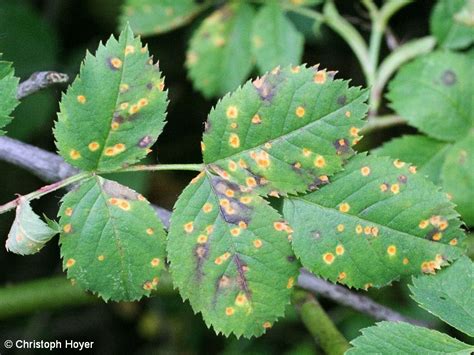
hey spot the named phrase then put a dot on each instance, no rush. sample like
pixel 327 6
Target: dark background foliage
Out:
pixel 54 35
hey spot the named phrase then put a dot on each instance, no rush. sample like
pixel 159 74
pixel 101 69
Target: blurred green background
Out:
pixel 54 35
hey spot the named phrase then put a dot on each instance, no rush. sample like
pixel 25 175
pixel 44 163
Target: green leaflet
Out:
pixel 448 294
pixel 284 132
pixel 425 153
pixel 219 57
pixel 148 17
pixel 451 166
pixel 115 110
pixel 448 23
pixel 112 243
pixel 374 222
pixel 442 107
pixel 404 338
pixel 458 177
pixel 230 256
pixel 275 40
pixel 8 87
pixel 28 234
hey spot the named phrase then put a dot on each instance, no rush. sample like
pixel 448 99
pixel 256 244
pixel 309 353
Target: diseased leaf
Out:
pixel 149 17
pixel 443 105
pixel 301 2
pixel 374 222
pixel 28 234
pixel 458 177
pixel 8 88
pixel 425 153
pixel 112 243
pixel 404 338
pixel 447 165
pixel 230 256
pixel 115 110
pixel 448 294
pixel 448 24
pixel 284 132
pixel 219 57
pixel 275 40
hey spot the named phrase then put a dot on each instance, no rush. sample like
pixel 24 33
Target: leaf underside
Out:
pixel 149 17
pixel 434 94
pixel 230 256
pixel 275 40
pixel 447 24
pixel 448 294
pixel 112 243
pixel 8 88
pixel 404 338
pixel 115 110
pixel 28 233
pixel 219 56
pixel 374 222
pixel 284 132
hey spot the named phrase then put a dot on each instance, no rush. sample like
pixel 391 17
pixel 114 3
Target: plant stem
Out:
pixel 157 167
pixel 319 324
pixel 352 37
pixel 382 122
pixel 53 293
pixel 39 295
pixel 44 190
pixel 394 60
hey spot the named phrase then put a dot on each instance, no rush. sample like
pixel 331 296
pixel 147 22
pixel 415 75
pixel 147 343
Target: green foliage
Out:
pixel 448 294
pixel 375 221
pixel 115 110
pixel 458 176
pixel 403 338
pixel 28 233
pixel 301 2
pixel 112 242
pixel 148 17
pixel 8 88
pixel 230 256
pixel 442 107
pixel 284 132
pixel 452 24
pixel 219 56
pixel 275 40
pixel 427 154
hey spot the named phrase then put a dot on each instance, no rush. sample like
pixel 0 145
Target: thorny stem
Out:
pixel 382 122
pixel 44 190
pixel 319 324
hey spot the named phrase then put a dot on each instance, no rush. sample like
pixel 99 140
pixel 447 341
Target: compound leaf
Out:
pixel 275 40
pixel 448 23
pixel 8 88
pixel 442 107
pixel 149 17
pixel 230 256
pixel 374 222
pixel 458 177
pixel 219 57
pixel 115 110
pixel 404 338
pixel 112 243
pixel 425 153
pixel 448 294
pixel 284 132
pixel 28 234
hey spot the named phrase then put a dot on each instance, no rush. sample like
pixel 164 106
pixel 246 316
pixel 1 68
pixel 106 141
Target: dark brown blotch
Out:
pixel 403 179
pixel 145 142
pixel 341 145
pixel 341 100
